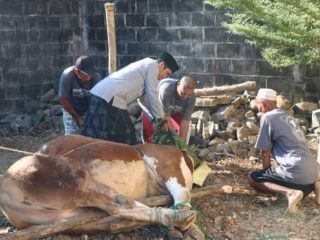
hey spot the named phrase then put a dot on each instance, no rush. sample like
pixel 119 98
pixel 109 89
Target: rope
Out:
pixel 37 153
pixel 82 146
pixel 16 150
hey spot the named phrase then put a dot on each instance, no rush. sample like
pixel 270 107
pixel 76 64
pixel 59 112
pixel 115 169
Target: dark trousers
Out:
pixel 104 121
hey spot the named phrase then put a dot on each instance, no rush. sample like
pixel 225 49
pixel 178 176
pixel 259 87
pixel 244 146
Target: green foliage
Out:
pixel 287 31
pixel 170 137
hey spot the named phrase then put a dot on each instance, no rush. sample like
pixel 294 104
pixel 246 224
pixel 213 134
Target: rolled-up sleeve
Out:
pixel 151 91
pixel 264 140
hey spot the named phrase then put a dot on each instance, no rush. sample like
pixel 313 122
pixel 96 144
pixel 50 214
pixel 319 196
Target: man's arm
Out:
pixel 184 128
pixel 68 107
pixel 266 159
pixel 151 91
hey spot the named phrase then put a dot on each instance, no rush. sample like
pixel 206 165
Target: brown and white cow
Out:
pixel 72 174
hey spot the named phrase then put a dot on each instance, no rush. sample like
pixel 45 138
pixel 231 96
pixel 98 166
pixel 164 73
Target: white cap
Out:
pixel 267 94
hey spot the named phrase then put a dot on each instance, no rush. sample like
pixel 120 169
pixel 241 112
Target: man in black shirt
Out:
pixel 75 83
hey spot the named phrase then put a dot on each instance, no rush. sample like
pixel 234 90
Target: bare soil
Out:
pixel 226 216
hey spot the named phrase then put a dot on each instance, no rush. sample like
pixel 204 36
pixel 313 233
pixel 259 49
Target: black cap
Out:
pixel 169 61
pixel 85 64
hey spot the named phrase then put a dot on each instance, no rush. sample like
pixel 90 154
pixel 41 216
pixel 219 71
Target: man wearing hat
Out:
pixel 74 85
pixel 282 139
pixel 108 117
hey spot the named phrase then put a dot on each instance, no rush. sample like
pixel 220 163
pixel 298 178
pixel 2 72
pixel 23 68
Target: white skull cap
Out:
pixel 267 94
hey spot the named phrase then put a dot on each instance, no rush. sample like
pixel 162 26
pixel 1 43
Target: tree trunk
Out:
pixel 227 89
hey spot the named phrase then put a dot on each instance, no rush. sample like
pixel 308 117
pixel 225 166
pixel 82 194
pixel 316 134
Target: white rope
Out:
pixel 16 150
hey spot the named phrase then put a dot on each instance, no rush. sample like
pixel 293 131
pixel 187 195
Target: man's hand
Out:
pixel 80 121
pixel 165 126
pixel 266 159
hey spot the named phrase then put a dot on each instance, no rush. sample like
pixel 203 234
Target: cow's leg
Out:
pixel 98 195
pixel 181 194
pixel 179 186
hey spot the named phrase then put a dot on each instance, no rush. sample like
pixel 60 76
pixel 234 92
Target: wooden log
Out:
pixel 227 89
pixel 112 46
pixel 213 101
pixel 38 231
pixel 100 217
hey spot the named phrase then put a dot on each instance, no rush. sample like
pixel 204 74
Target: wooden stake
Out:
pixel 111 33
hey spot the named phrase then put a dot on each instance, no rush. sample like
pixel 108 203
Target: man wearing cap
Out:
pixel 74 85
pixel 282 138
pixel 177 99
pixel 108 117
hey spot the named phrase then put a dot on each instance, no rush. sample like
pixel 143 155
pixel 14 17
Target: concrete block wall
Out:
pixel 192 31
pixel 39 38
pixel 35 42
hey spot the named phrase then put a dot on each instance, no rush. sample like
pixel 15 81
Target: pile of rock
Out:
pixel 224 123
pixel 36 117
pixel 231 128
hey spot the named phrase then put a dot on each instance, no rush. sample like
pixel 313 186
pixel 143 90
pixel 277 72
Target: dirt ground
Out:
pixel 227 216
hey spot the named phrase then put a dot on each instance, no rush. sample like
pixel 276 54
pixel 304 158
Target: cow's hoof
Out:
pixel 184 219
pixel 193 233
pixel 176 233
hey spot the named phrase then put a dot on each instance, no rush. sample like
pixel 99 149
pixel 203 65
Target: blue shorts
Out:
pixel 70 125
pixel 270 175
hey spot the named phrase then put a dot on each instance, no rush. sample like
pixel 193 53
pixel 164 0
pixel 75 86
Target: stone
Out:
pixel 200 114
pixel 225 135
pixel 219 222
pixel 48 96
pixel 254 128
pixel 233 125
pixel 253 105
pixel 252 140
pixel 252 119
pixel 306 106
pixel 283 103
pixel 208 130
pixel 249 114
pixel 26 122
pixel 243 133
pixel 193 131
pixel 238 101
pixel 216 141
pixel 225 112
pixel 315 118
pixel 56 110
pixel 203 153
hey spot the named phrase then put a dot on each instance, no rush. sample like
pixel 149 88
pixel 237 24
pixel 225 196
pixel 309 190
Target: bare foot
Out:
pixel 317 191
pixel 293 199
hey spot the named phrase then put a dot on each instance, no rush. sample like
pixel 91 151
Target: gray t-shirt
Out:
pixel 75 90
pixel 280 133
pixel 171 101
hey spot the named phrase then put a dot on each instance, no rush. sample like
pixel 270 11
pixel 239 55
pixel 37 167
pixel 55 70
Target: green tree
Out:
pixel 286 31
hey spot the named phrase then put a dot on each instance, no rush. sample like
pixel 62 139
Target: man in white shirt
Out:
pixel 107 116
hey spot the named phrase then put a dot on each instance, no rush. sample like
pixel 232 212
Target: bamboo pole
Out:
pixel 112 45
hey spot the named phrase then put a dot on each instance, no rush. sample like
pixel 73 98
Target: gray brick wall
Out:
pixel 39 38
pixel 193 33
